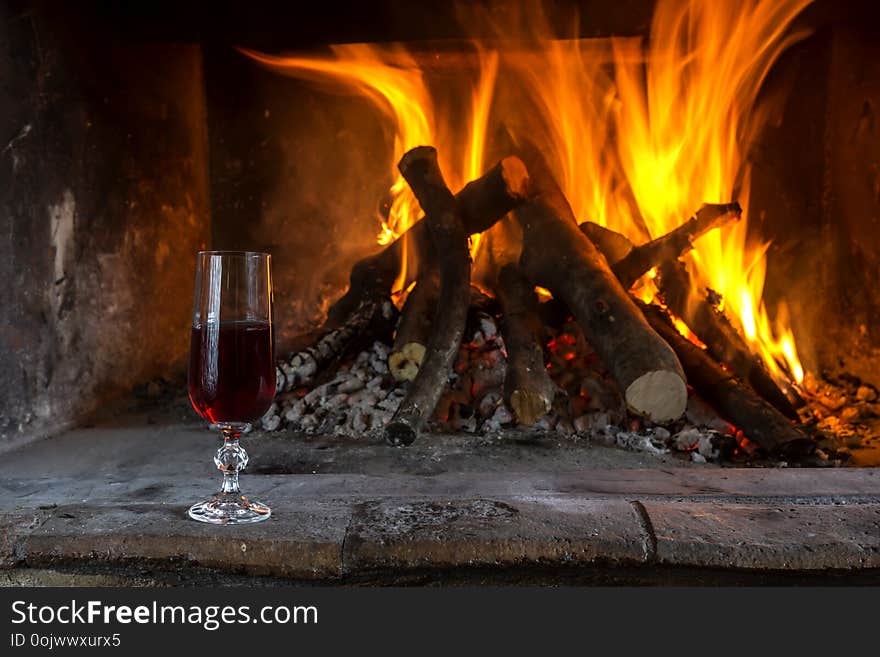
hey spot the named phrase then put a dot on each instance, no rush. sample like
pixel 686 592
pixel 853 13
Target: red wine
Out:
pixel 231 371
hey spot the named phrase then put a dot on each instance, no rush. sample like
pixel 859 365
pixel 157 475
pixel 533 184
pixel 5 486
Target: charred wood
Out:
pixel 448 236
pixel 372 320
pixel 414 328
pixel 723 342
pixel 528 389
pixel 641 259
pixel 558 256
pixel 613 245
pixel 481 203
pixel 731 398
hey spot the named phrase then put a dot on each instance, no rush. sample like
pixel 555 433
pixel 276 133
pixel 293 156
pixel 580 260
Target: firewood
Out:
pixel 641 259
pixel 733 399
pixel 448 236
pixel 528 389
pixel 414 327
pixel 723 341
pixel 614 246
pixel 558 256
pixel 482 202
pixel 373 319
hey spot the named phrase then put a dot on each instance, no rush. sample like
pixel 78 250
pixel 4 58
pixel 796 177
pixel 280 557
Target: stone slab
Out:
pixel 767 537
pixel 442 534
pixel 302 543
pixel 109 502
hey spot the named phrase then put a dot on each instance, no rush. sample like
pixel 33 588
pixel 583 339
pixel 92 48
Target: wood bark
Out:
pixel 639 260
pixel 676 243
pixel 528 389
pixel 558 256
pixel 448 236
pixel 613 245
pixel 723 342
pixel 408 351
pixel 482 202
pixel 733 399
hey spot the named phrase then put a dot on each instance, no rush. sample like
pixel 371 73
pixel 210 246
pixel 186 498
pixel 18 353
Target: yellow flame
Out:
pixel 394 84
pixel 391 79
pixel 639 135
pixel 481 104
pixel 682 120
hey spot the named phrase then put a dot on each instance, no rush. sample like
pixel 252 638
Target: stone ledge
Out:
pixel 782 537
pixel 385 539
pixel 440 534
pixel 306 543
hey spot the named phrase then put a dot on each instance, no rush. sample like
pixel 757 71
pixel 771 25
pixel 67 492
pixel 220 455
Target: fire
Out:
pixel 682 120
pixel 639 135
pixel 390 78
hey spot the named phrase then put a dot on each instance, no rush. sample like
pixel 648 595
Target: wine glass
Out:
pixel 231 368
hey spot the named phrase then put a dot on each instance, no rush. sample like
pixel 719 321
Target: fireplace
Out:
pixel 709 175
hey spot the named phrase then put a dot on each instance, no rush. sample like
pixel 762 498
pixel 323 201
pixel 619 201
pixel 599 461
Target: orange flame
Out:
pixel 391 79
pixel 682 120
pixel 638 136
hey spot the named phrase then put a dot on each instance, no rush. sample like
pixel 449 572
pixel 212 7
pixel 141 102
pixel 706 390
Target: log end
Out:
pixel 659 396
pixel 400 434
pixel 405 363
pixel 716 215
pixel 515 177
pixel 613 245
pixel 529 406
pixel 416 156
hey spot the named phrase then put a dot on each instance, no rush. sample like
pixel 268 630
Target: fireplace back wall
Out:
pixel 104 202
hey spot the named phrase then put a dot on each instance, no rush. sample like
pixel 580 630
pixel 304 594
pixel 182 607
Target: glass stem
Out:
pixel 231 458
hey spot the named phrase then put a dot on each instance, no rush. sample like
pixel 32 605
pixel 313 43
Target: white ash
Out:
pixel 640 442
pixel 707 447
pixel 362 398
pixel 687 439
pixel 301 368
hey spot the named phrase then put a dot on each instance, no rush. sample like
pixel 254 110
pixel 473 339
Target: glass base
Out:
pixel 229 509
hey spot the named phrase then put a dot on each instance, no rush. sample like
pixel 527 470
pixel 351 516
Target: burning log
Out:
pixel 481 203
pixel 733 399
pixel 528 389
pixel 448 236
pixel 558 256
pixel 613 245
pixel 415 326
pixel 373 319
pixel 723 342
pixel 636 261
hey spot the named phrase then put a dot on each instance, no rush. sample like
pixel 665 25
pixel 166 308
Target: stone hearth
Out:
pixel 106 505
